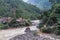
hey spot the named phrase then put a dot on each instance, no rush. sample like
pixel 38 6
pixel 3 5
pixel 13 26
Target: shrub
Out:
pixel 40 26
pixel 2 26
pixel 15 23
pixel 28 22
pixel 57 30
pixel 46 30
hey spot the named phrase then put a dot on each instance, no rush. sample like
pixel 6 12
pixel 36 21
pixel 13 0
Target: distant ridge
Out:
pixel 42 4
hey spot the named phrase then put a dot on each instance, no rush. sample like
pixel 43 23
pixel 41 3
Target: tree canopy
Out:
pixel 18 8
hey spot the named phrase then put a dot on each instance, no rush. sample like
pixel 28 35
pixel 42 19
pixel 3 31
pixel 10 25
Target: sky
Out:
pixel 25 0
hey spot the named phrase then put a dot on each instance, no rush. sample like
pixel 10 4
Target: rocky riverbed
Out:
pixel 33 36
pixel 15 34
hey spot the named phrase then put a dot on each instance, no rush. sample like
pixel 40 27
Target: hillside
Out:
pixel 42 4
pixel 18 8
pixel 58 1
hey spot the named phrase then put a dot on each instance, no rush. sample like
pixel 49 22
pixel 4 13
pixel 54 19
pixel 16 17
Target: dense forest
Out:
pixel 18 8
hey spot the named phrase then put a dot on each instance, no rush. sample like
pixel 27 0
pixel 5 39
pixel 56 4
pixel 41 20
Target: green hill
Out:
pixel 18 7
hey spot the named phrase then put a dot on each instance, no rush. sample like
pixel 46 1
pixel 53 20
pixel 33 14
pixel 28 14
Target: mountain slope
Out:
pixel 22 9
pixel 34 2
pixel 57 1
pixel 42 4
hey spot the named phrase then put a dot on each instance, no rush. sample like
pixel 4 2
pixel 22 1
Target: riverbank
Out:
pixel 10 33
pixel 6 34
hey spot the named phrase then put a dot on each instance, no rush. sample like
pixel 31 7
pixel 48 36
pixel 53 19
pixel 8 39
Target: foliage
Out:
pixel 2 26
pixel 18 8
pixel 51 16
pixel 14 23
pixel 40 25
pixel 28 23
pixel 46 30
pixel 54 30
pixel 57 30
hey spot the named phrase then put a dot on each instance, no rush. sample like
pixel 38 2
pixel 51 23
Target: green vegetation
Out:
pixel 18 8
pixel 2 26
pixel 57 30
pixel 15 24
pixel 51 18
pixel 54 30
pixel 46 30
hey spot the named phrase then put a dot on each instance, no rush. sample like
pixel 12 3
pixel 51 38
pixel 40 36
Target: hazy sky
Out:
pixel 25 0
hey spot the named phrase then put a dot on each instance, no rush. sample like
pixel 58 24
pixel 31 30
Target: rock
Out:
pixel 30 36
